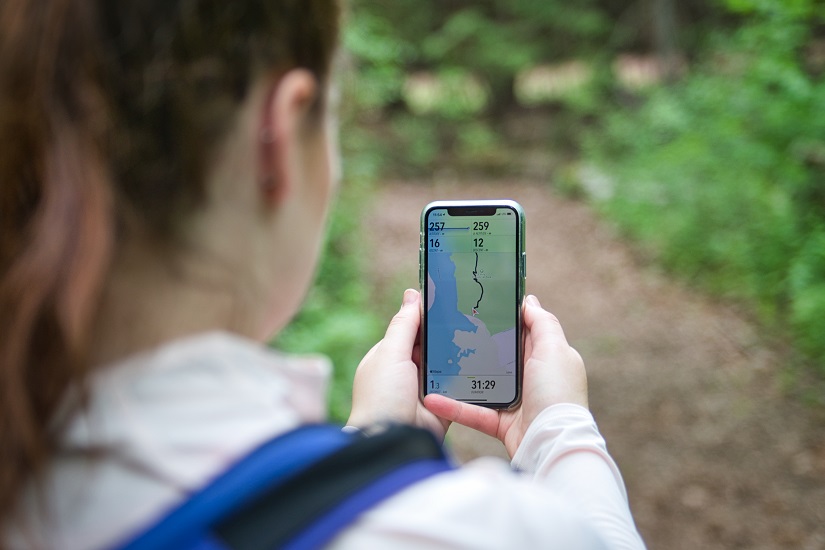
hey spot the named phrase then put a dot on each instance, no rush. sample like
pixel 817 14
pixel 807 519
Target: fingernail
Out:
pixel 533 301
pixel 409 297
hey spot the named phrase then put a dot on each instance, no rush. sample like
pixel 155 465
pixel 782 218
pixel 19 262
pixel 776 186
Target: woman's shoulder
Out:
pixel 162 423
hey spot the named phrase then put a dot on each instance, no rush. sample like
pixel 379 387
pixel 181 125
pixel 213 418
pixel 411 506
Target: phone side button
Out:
pixel 421 269
pixel 524 264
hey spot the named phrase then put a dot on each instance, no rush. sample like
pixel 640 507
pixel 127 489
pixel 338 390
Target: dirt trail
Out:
pixel 688 398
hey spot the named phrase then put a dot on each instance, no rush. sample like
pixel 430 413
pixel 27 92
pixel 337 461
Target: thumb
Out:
pixel 545 330
pixel 403 329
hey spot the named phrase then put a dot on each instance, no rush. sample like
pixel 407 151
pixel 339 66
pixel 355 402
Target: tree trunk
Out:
pixel 664 31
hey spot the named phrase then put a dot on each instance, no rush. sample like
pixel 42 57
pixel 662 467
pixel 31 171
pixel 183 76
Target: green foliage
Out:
pixel 807 287
pixel 722 173
pixel 417 138
pixel 436 77
pixel 491 39
pixel 801 10
pixel 381 55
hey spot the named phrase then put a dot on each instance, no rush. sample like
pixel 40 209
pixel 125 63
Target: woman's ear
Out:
pixel 286 106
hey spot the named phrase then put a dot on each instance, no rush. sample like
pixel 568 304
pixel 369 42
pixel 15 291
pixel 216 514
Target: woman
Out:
pixel 165 174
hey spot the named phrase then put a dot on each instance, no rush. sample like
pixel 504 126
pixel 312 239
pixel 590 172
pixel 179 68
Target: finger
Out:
pixel 475 417
pixel 528 344
pixel 544 328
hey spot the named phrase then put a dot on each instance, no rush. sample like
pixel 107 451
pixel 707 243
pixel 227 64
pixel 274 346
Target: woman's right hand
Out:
pixel 553 374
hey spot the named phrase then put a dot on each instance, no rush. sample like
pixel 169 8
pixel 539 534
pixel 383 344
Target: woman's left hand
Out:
pixel 386 382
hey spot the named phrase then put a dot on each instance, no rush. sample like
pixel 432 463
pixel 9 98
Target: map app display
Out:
pixel 472 302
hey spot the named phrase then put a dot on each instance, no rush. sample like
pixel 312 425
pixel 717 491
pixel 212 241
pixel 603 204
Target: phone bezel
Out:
pixel 520 259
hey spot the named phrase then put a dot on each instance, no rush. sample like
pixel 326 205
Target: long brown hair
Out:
pixel 108 110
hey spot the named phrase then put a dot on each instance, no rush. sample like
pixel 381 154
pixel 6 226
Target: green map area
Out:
pixel 494 275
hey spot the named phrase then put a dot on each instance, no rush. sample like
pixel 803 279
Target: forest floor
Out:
pixel 693 403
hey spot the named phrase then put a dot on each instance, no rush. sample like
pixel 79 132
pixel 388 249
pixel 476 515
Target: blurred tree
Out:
pixel 496 39
pixel 665 32
pixel 493 38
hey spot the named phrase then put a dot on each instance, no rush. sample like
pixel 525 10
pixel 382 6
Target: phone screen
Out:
pixel 472 302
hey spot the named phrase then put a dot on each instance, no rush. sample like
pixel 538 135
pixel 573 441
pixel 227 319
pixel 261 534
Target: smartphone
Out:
pixel 472 270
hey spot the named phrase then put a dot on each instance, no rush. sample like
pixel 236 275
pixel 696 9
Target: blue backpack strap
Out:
pixel 187 526
pixel 339 517
pixel 312 507
pixel 298 491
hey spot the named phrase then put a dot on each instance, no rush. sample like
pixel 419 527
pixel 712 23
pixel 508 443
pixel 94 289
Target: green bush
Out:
pixel 722 174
